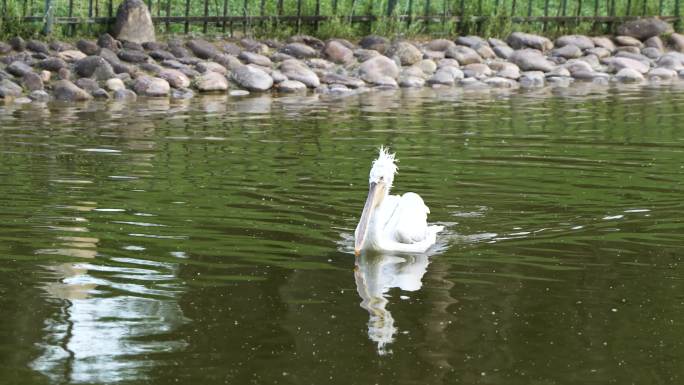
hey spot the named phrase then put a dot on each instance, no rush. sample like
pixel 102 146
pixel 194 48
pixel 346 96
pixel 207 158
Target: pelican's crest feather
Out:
pixel 385 166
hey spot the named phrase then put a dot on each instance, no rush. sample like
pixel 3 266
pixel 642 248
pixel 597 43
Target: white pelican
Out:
pixel 392 222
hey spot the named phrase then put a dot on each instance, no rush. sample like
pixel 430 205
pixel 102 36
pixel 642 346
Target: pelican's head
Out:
pixel 380 182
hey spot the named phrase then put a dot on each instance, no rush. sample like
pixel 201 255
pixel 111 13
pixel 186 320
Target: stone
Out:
pixel 558 72
pixel 651 52
pixel 211 82
pixel 655 42
pixel 311 41
pixel 53 64
pixel 532 79
pixel 440 45
pixel 151 86
pixel 255 58
pixel 662 73
pixel 115 84
pixel 503 52
pixel 228 61
pixel 291 86
pixel 64 74
pixel 202 48
pixel 446 76
pixel 599 52
pixel 375 69
pixel 574 66
pixel 210 66
pixel 427 66
pixel 90 48
pixel 5 48
pixel 182 93
pixel 134 22
pixel 161 55
pixel 87 84
pixel 408 53
pixel 347 81
pixel 374 42
pixel 671 60
pixel 603 42
pixel 252 78
pixel 531 60
pixel 39 96
pixel 299 51
pixel 645 28
pixel 485 51
pixel 471 41
pixel 131 45
pixel 629 75
pixel 9 89
pixel 37 46
pixel 125 95
pixel 238 93
pixel 65 90
pixel 411 82
pixel 18 43
pixel 107 41
pixel 580 41
pixel 509 71
pixel 629 49
pixel 500 82
pixel 635 56
pixel 231 49
pixel 60 46
pixel 337 52
pixel 178 51
pixel 628 41
pixel 175 78
pixel 568 51
pixel 295 70
pixel 615 64
pixel 520 40
pixel 32 81
pixel 18 68
pixel 132 56
pixel 45 76
pixel 472 84
pixel 86 67
pixel 477 70
pixel 100 94
pixel 464 55
pixel 319 64
pixel 278 76
pixel 677 41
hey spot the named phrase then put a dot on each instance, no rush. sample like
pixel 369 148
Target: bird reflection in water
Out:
pixel 375 275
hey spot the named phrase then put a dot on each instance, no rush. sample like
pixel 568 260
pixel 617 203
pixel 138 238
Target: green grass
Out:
pixel 499 22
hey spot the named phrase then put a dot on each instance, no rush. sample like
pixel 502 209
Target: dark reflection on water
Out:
pixel 207 241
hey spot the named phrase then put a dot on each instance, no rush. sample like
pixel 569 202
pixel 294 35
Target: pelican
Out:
pixel 392 223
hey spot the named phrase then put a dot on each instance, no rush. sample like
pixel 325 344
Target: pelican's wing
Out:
pixel 407 229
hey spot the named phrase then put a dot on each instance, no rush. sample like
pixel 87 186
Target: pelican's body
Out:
pixel 392 222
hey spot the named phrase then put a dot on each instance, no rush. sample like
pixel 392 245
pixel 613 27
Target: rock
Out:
pixel 151 68
pixel 86 67
pixel 175 78
pixel 532 79
pixel 477 70
pixel 278 76
pixel 568 51
pixel 5 48
pixel 87 84
pixel 655 42
pixel 374 42
pixel 446 76
pixel 580 41
pixel 39 96
pixel 151 86
pixel 210 66
pixel 628 41
pixel 520 40
pixel 238 93
pixel 509 71
pixel 45 76
pixel 671 60
pixel 411 82
pixel 53 64
pixel 574 66
pixel 599 52
pixel 115 84
pixel 202 48
pixel 651 52
pixel 677 41
pixel 71 55
pixel 319 64
pixel 131 45
pixel 60 46
pixel 628 75
pixel 252 78
pixel 662 73
pixel 629 49
pixel 182 93
pixel 337 52
pixel 65 90
pixel 464 55
pixel 179 51
pixel 88 47
pixel 291 86
pixel 531 60
pixel 299 51
pixel 472 84
pixel 212 82
pixel 9 89
pixel 100 94
pixel 18 68
pixel 296 70
pixel 635 56
pixel 133 22
pixel 161 55
pixel 107 41
pixel 32 81
pixel 471 41
pixel 125 95
pixel 615 64
pixel 231 49
pixel 348 81
pixel 255 58
pixel 440 45
pixel 603 42
pixel 427 66
pixel 227 61
pixel 375 69
pixel 645 28
pixel 37 46
pixel 500 82
pixel 132 56
pixel 64 74
pixel 485 51
pixel 503 52
pixel 681 73
pixel 408 53
pixel 558 72
pixel 18 44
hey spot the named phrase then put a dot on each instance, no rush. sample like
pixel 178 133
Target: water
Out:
pixel 209 242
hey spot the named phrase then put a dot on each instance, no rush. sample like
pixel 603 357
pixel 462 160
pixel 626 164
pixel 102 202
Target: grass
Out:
pixel 499 22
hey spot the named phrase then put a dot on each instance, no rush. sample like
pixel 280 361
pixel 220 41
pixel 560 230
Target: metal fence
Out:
pixel 226 15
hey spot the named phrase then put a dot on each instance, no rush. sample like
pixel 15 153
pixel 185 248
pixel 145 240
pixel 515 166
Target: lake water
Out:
pixel 210 241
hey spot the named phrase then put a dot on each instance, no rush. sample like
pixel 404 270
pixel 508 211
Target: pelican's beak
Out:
pixel 375 194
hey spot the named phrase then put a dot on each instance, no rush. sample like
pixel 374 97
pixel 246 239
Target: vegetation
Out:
pixel 391 17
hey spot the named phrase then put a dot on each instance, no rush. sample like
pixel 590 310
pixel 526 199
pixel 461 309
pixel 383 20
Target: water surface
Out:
pixel 209 241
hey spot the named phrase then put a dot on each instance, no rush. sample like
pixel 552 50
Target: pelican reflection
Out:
pixel 375 275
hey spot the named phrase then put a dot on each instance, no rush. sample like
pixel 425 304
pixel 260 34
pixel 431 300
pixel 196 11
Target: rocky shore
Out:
pixel 36 71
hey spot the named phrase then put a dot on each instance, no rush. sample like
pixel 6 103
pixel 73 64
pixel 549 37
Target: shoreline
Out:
pixel 109 69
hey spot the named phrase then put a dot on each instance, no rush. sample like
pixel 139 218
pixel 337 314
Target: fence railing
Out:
pixel 184 16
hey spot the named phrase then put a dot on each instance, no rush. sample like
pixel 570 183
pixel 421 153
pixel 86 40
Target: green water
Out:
pixel 210 242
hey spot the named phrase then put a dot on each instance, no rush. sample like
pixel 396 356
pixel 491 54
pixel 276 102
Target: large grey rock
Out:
pixel 374 42
pixel 568 51
pixel 291 86
pixel 628 41
pixel 212 82
pixel 311 41
pixel 151 86
pixel 446 76
pixel 252 78
pixel 125 95
pixel 677 41
pixel 471 41
pixel 201 48
pixel 580 41
pixel 500 82
pixel 228 61
pixel 503 51
pixel 520 40
pixel 255 58
pixel 115 84
pixel 672 60
pixel 531 60
pixel 599 52
pixel 108 41
pixel 133 22
pixel 485 51
pixel 299 51
pixel 662 73
pixel 65 90
pixel 532 79
pixel 628 75
pixel 37 46
pixel 18 68
pixel 88 47
pixel 296 70
pixel 574 66
pixel 477 70
pixel 440 45
pixel 411 81
pixel 39 96
pixel 615 64
pixel 464 55
pixel 5 48
pixel 87 84
pixel 175 78
pixel 603 42
pixel 375 69
pixel 32 81
pixel 651 52
pixel 655 42
pixel 132 56
pixel 9 89
pixel 506 70
pixel 71 55
pixel 635 56
pixel 53 64
pixel 88 67
pixel 18 43
pixel 161 55
pixel 348 81
pixel 407 53
pixel 337 52
pixel 642 29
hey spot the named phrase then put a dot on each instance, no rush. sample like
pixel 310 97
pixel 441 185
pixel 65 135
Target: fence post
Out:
pixel 529 8
pixel 318 13
pixel 461 14
pixel 187 16
pixel 391 4
pixel 299 16
pixel 409 20
pixel 110 11
pixel 660 8
pixel 72 27
pixel 205 26
pixel 49 17
pixel 427 14
pixel 245 14
pixel 168 14
pixel 678 22
pixel 334 7
pixel 629 7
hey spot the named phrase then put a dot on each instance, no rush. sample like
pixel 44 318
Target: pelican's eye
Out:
pixel 382 178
